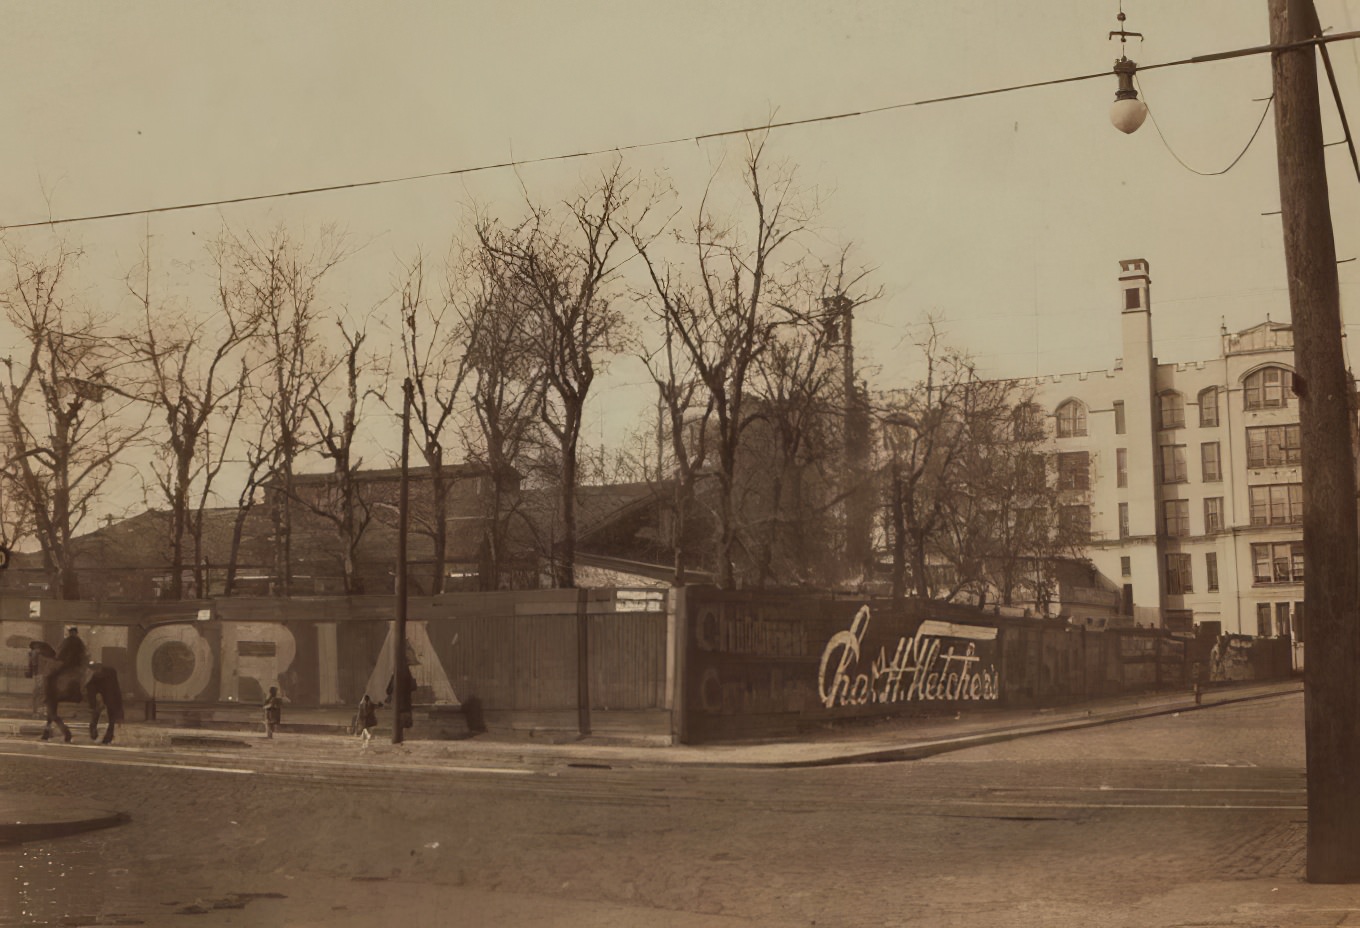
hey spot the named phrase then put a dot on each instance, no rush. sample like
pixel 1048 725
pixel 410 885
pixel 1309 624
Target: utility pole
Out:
pixel 1326 421
pixel 401 690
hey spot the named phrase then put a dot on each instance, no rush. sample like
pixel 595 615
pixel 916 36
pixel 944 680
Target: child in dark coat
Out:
pixel 366 718
pixel 273 711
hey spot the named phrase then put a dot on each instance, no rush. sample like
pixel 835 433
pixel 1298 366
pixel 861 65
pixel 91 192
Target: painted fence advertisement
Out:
pixel 761 664
pixel 513 652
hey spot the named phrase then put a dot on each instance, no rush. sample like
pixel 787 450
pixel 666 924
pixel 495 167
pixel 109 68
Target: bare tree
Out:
pixel 688 410
pixel 726 318
pixel 979 505
pixel 68 421
pixel 188 377
pixel 435 355
pixel 258 459
pixel 928 428
pixel 1034 516
pixel 563 272
pixel 341 501
pixel 797 380
pixel 506 393
pixel 279 278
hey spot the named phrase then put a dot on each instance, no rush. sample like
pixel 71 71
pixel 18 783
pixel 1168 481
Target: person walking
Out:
pixel 366 718
pixel 273 711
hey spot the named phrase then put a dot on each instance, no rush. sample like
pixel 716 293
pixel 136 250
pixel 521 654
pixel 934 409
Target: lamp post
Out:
pixel 401 690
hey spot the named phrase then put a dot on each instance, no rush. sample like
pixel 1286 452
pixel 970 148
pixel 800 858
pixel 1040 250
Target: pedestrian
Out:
pixel 273 711
pixel 366 719
pixel 404 716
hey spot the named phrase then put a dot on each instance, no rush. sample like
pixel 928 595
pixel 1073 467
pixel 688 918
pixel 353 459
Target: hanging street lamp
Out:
pixel 1128 112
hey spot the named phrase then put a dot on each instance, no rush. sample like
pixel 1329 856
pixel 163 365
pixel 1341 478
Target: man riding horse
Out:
pixel 69 677
pixel 73 659
pixel 72 652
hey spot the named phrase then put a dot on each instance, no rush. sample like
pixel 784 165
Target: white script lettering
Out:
pixel 916 671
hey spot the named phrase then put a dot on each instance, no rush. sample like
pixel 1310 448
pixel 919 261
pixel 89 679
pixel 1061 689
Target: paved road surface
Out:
pixel 1196 819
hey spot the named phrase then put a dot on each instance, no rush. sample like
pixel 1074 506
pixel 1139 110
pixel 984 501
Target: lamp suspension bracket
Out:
pixel 1128 112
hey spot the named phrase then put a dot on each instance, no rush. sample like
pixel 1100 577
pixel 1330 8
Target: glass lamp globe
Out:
pixel 1128 114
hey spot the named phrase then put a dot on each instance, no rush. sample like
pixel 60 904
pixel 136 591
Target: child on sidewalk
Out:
pixel 366 718
pixel 273 711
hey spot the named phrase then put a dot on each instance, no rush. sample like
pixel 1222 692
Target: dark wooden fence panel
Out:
pixel 628 660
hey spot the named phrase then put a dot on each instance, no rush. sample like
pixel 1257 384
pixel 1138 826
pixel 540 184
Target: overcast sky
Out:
pixel 1006 215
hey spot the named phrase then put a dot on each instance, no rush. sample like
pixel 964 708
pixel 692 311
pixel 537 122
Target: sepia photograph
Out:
pixel 604 464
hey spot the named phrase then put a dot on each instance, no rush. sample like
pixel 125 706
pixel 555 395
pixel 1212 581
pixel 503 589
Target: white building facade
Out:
pixel 1190 474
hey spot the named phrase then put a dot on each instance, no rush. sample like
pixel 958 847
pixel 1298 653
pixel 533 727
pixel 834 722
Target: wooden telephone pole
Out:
pixel 1326 422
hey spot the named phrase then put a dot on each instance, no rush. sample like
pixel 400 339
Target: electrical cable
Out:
pixel 1233 164
pixel 747 130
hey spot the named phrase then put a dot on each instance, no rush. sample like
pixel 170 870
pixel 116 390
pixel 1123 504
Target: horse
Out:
pixel 95 684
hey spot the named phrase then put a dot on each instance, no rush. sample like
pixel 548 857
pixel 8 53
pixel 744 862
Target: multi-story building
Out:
pixel 1190 474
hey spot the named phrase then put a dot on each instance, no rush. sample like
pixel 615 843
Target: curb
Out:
pixel 947 745
pixel 22 832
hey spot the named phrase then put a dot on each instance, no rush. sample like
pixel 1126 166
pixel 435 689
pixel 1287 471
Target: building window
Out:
pixel 1074 470
pixel 1171 408
pixel 1121 467
pixel 1213 514
pixel 1264 389
pixel 1132 299
pixel 1281 619
pixel 1209 462
pixel 1208 407
pixel 1211 571
pixel 1124 522
pixel 1178 581
pixel 1298 621
pixel 1075 523
pixel 1173 464
pixel 1031 472
pixel 1119 417
pixel 1273 446
pixel 1176 513
pixel 1028 421
pixel 1277 562
pixel 1263 620
pixel 1277 504
pixel 1126 566
pixel 1071 419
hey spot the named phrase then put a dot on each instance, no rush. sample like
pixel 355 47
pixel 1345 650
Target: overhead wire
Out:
pixel 1245 148
pixel 619 149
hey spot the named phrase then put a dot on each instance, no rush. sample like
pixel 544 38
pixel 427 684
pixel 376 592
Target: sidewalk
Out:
pixel 30 818
pixel 887 740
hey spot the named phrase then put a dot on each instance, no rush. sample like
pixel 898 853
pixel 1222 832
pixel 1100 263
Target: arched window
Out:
pixel 1171 409
pixel 1071 419
pixel 1208 407
pixel 1265 389
pixel 1028 422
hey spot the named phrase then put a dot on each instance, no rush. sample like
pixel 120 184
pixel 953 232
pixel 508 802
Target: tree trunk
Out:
pixel 683 490
pixel 566 559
